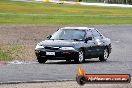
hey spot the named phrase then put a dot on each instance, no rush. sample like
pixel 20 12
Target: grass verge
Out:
pixel 10 52
pixel 47 13
pixel 63 19
pixel 4 56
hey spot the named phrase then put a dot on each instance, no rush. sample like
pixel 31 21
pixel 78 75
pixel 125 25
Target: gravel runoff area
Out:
pixel 66 84
pixel 19 41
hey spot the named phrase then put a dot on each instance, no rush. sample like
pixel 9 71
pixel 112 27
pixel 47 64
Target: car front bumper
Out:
pixel 59 54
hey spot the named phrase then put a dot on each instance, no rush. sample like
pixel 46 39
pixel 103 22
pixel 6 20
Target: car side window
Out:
pixel 89 34
pixel 78 34
pixel 96 34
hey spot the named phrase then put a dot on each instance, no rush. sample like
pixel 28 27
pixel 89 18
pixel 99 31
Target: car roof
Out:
pixel 80 28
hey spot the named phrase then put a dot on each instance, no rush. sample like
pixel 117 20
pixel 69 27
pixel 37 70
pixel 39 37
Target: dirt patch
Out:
pixel 20 40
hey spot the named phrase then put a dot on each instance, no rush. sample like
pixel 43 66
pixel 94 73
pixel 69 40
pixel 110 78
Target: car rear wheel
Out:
pixel 41 60
pixel 80 58
pixel 104 56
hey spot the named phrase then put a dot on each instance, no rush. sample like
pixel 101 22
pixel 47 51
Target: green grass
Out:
pixel 88 19
pixel 47 13
pixel 4 56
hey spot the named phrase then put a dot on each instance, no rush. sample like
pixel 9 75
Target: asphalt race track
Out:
pixel 119 62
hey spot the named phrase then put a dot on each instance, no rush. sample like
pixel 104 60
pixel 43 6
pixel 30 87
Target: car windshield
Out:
pixel 69 34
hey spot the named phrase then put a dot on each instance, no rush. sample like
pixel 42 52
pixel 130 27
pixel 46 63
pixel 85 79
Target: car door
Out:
pixel 98 40
pixel 90 45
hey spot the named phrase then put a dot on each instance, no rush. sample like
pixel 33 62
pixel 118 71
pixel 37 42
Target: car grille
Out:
pixel 51 48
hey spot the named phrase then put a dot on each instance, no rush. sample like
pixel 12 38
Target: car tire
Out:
pixel 104 56
pixel 41 60
pixel 80 58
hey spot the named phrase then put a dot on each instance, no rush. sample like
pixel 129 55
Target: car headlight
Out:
pixel 39 46
pixel 67 48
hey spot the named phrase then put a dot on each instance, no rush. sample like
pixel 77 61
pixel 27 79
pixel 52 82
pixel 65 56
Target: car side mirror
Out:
pixel 48 37
pixel 87 39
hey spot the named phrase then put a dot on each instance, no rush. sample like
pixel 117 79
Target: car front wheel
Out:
pixel 80 58
pixel 104 56
pixel 41 60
